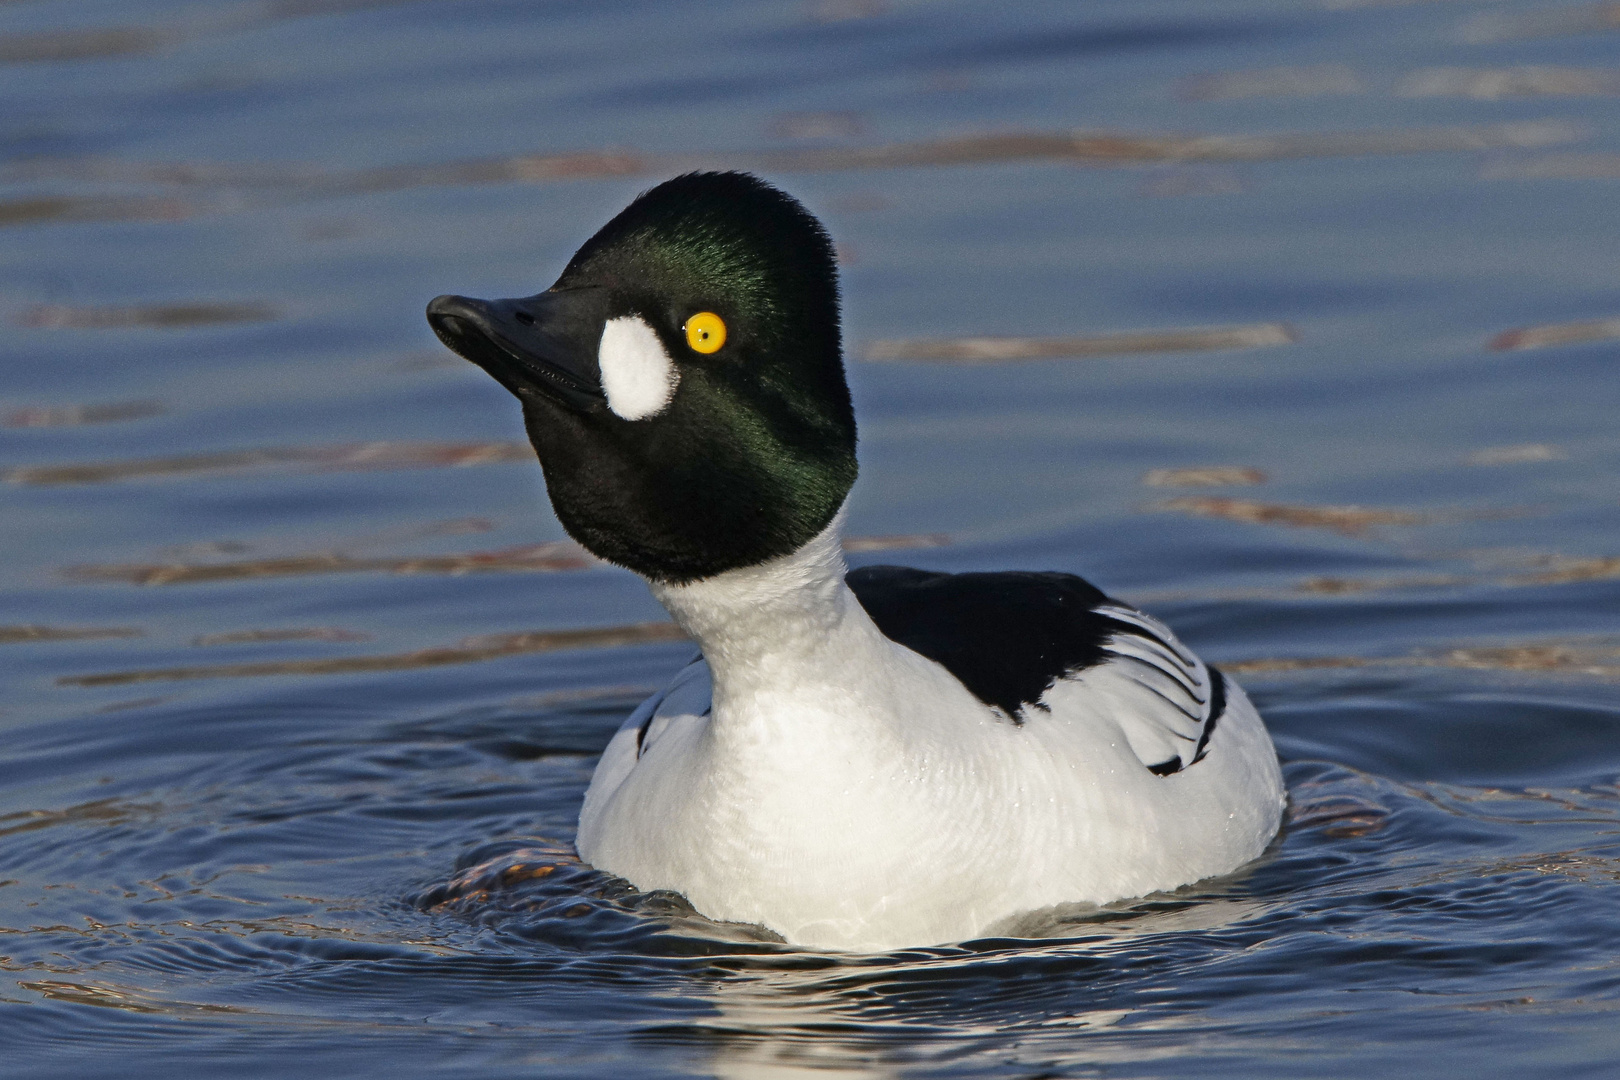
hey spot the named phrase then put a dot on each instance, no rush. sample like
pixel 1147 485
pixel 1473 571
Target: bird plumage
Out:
pixel 869 759
pixel 815 776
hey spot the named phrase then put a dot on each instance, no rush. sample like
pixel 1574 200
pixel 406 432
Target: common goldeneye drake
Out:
pixel 863 760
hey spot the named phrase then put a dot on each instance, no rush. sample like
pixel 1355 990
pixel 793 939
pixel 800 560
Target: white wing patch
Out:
pixel 1179 700
pixel 638 376
pixel 684 701
pixel 688 698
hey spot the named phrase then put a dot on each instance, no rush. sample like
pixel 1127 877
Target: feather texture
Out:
pixel 812 774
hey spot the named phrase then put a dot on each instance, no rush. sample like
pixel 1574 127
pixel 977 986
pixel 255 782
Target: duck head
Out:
pixel 683 381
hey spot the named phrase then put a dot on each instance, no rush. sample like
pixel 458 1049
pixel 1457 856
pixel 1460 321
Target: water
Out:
pixel 290 770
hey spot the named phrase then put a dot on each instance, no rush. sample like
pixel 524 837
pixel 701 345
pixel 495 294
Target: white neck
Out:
pixel 753 621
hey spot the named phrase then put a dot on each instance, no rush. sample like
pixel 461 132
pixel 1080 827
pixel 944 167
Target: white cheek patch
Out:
pixel 638 376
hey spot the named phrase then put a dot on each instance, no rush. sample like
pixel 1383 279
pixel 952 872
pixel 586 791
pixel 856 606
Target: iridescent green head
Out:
pixel 683 381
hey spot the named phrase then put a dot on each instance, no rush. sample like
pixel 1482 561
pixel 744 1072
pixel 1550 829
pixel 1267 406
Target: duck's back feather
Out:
pixel 1009 637
pixel 1005 636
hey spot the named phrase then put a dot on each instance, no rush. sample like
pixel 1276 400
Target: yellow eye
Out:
pixel 705 332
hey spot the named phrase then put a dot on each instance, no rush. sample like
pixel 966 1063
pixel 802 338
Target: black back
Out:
pixel 1007 636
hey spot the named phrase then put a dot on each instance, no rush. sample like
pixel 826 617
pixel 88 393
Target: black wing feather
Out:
pixel 1009 636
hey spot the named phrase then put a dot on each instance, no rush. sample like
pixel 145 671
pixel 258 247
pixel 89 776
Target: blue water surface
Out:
pixel 289 776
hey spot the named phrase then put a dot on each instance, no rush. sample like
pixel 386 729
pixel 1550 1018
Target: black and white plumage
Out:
pixel 867 759
pixel 1008 637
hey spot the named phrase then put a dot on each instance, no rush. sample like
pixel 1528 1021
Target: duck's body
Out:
pixel 814 776
pixel 872 760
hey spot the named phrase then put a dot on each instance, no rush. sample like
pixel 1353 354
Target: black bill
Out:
pixel 544 344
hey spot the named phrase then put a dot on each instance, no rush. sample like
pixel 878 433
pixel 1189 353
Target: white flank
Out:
pixel 637 374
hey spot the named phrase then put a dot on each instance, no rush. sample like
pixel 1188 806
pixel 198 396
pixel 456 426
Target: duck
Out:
pixel 870 759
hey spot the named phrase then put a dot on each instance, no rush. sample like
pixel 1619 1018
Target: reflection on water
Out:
pixel 11 634
pixel 1204 476
pixel 58 316
pixel 1541 337
pixel 1001 349
pixel 1295 323
pixel 376 455
pixel 70 415
pixel 1348 520
pixel 490 647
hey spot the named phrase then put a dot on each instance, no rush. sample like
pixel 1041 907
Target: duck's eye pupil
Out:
pixel 524 317
pixel 705 332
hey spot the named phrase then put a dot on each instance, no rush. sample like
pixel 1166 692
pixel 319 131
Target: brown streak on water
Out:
pixel 1494 84
pixel 1317 81
pixel 1553 22
pixel 158 316
pixel 534 558
pixel 991 350
pixel 253 637
pixel 88 44
pixel 905 541
pixel 1554 334
pixel 11 635
pixel 1560 570
pixel 1345 520
pixel 551 557
pixel 1518 454
pixel 352 457
pixel 488 648
pixel 33 210
pixel 1104 147
pixel 1204 476
pixel 1556 657
pixel 100 43
pixel 39 416
pixel 98 811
